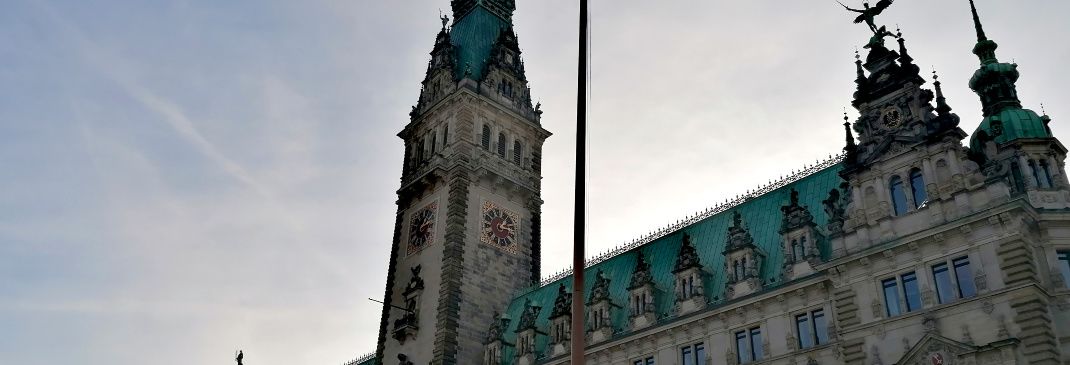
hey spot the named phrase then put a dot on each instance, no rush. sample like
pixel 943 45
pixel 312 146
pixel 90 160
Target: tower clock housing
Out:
pixel 469 206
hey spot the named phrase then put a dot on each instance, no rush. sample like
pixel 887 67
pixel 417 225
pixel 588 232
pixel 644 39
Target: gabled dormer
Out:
pixel 690 291
pixel 799 239
pixel 641 294
pixel 561 322
pixel 743 260
pixel 495 341
pixel 504 79
pixel 600 310
pixel 526 331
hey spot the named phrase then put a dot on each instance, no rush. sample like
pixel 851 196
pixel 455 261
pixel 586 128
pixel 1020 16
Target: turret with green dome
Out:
pixel 1005 119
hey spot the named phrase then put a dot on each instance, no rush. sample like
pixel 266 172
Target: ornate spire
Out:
pixel 942 108
pixel 985 49
pixel 860 80
pixel 904 58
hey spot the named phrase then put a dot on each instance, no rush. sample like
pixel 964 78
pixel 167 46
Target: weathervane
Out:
pixel 869 13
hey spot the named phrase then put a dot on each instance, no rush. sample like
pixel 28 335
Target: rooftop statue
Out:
pixel 869 13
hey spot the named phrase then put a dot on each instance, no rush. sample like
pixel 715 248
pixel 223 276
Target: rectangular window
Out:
pixel 1064 266
pixel 756 344
pixel 812 329
pixel 802 328
pixel 911 291
pixel 692 355
pixel 742 350
pixel 964 277
pixel 891 297
pixel 649 360
pixel 821 327
pixel 942 278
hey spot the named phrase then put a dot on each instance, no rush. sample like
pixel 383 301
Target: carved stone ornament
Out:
pixel 416 284
pixel 688 256
pixel 641 276
pixel 563 303
pixel 738 236
pixel 528 317
pixel 497 328
pixel 795 215
pixel 600 290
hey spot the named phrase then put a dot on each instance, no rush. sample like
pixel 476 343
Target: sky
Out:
pixel 181 179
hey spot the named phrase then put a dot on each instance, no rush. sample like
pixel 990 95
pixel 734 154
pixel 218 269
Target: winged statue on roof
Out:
pixel 869 12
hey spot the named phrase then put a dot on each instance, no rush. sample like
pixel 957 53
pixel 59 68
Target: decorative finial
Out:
pixel 942 108
pixel 1042 111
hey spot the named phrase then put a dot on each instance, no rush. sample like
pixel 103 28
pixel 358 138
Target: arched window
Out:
pixel 798 249
pixel 445 135
pixel 899 197
pixel 518 153
pixel 501 144
pixel 486 138
pixel 434 142
pixel 1016 175
pixel 1046 174
pixel 917 188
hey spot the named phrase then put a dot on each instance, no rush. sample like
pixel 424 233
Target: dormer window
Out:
pixel 641 292
pixel 743 260
pixel 688 272
pixel 638 303
pixel 798 249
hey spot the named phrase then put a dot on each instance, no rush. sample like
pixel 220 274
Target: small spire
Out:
pixel 1042 111
pixel 847 131
pixel 904 58
pixel 977 23
pixel 861 73
pixel 985 49
pixel 942 108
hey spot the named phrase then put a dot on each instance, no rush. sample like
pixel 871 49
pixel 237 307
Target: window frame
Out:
pixel 753 353
pixel 895 184
pixel 917 187
pixel 810 318
pixel 903 303
pixel 1062 258
pixel 644 360
pixel 951 266
pixel 695 351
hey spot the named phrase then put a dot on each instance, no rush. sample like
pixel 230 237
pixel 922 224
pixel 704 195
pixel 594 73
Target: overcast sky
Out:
pixel 184 178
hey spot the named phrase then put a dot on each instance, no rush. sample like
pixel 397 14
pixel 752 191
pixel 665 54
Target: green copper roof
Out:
pixel 761 215
pixel 1016 124
pixel 474 35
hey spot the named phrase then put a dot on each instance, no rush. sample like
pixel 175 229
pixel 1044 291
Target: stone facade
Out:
pixel 909 248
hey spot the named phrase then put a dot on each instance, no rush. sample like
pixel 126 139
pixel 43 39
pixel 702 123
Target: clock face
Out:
pixel 500 227
pixel 422 228
pixel 891 118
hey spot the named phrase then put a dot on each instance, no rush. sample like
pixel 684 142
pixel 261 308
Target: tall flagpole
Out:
pixel 577 337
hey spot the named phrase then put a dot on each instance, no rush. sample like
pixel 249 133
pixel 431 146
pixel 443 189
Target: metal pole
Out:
pixel 577 337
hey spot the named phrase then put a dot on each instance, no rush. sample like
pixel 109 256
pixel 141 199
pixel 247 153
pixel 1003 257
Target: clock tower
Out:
pixel 467 231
